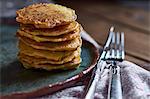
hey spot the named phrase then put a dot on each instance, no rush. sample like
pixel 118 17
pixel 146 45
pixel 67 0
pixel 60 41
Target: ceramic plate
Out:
pixel 17 81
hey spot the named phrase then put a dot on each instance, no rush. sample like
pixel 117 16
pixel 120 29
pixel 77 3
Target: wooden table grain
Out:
pixel 96 18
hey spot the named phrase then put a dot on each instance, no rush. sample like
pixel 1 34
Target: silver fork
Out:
pixel 98 70
pixel 113 52
pixel 114 55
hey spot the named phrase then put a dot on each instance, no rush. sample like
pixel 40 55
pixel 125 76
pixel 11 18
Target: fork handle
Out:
pixel 115 90
pixel 89 93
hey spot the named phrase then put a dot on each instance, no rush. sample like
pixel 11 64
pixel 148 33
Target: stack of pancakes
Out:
pixel 49 37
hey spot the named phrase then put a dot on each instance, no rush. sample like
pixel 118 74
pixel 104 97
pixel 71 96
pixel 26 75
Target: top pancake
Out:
pixel 45 15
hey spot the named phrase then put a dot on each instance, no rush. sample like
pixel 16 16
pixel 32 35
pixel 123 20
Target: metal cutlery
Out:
pixel 113 53
pixel 89 94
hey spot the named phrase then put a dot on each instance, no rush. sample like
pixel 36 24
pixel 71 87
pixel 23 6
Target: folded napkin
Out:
pixel 134 79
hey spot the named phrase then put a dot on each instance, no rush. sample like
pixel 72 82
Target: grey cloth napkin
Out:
pixel 134 79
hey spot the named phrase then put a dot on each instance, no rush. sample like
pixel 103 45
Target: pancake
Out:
pixel 44 15
pixel 70 65
pixel 72 35
pixel 51 55
pixel 57 46
pixel 44 60
pixel 56 31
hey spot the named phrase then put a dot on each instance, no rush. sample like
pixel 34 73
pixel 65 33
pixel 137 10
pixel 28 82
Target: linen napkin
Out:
pixel 134 79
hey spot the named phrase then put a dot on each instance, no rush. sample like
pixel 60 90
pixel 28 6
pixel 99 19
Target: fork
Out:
pixel 98 70
pixel 114 55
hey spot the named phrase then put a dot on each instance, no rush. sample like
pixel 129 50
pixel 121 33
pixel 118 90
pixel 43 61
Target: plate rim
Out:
pixel 51 88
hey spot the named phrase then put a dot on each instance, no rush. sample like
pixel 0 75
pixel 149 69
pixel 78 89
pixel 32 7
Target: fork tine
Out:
pixel 106 53
pixel 113 47
pixel 110 52
pixel 118 46
pixel 110 37
pixel 122 46
pixel 112 29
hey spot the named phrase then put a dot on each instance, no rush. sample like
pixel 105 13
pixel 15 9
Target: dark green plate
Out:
pixel 16 81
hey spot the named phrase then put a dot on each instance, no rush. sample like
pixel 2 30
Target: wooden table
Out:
pixel 96 18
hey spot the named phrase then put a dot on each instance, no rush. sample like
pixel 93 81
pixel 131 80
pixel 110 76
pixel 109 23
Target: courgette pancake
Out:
pixel 72 35
pixel 49 37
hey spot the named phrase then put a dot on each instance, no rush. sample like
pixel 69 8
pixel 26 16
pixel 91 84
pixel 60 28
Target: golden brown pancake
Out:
pixel 70 65
pixel 56 31
pixel 46 56
pixel 45 15
pixel 51 55
pixel 44 60
pixel 72 35
pixel 52 46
